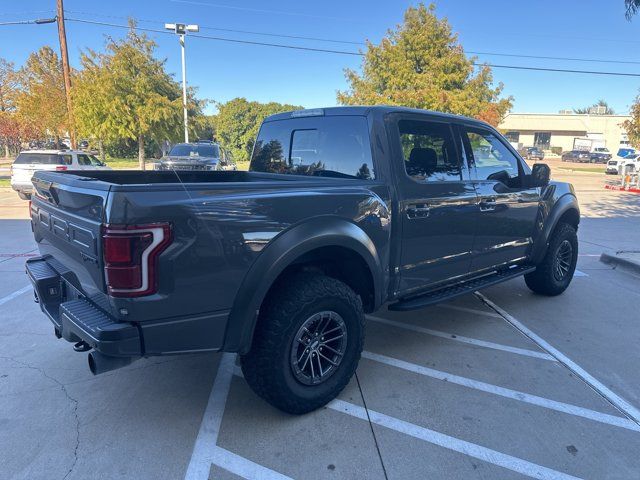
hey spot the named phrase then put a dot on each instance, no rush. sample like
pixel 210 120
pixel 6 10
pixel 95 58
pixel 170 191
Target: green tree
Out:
pixel 8 93
pixel 125 93
pixel 238 121
pixel 600 103
pixel 633 6
pixel 41 102
pixel 632 126
pixel 420 64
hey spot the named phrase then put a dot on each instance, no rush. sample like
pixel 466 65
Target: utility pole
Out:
pixel 181 30
pixel 66 72
pixel 184 91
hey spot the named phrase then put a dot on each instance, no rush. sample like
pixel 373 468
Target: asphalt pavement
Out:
pixel 503 384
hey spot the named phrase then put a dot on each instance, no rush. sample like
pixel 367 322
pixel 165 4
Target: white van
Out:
pixel 27 162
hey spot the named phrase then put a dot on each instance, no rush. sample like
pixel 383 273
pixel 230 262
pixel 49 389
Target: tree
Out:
pixel 633 6
pixel 632 126
pixel 8 92
pixel 41 102
pixel 420 64
pixel 600 103
pixel 125 93
pixel 238 121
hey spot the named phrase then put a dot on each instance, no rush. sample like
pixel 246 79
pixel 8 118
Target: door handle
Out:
pixel 418 211
pixel 488 204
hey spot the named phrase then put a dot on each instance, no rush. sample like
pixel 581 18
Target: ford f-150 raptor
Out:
pixel 343 210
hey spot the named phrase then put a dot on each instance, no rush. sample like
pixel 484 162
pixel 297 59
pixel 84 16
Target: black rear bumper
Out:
pixel 77 319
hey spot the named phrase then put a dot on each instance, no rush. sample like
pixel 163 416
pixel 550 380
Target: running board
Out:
pixel 452 291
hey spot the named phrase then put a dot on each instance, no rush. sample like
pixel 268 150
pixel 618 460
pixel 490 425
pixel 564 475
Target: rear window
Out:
pixel 40 158
pixel 334 146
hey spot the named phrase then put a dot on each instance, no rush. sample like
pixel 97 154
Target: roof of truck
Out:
pixel 365 110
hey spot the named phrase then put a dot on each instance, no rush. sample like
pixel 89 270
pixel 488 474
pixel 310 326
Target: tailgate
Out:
pixel 66 215
pixel 21 174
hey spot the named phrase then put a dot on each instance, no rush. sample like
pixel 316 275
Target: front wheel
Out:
pixel 555 272
pixel 307 343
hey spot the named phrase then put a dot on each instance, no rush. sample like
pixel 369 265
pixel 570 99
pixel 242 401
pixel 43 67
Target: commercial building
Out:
pixel 564 130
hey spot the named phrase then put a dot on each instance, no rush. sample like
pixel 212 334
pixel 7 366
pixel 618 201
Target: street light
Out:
pixel 181 30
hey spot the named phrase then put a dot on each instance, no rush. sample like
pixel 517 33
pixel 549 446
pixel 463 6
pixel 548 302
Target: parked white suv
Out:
pixel 624 156
pixel 27 162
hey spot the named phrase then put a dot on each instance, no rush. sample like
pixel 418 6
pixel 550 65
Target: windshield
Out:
pixel 188 150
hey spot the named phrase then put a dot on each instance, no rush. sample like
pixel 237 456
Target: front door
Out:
pixel 437 205
pixel 508 208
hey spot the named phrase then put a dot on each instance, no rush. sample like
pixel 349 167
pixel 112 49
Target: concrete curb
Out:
pixel 618 261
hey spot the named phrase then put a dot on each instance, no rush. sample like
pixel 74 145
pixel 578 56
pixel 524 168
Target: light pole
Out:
pixel 181 30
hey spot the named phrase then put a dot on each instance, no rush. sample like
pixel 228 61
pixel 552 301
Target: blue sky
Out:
pixel 221 71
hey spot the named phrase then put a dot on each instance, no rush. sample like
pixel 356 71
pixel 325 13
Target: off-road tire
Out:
pixel 267 366
pixel 543 280
pixel 24 196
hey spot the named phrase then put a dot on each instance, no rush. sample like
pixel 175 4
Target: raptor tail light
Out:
pixel 61 168
pixel 131 257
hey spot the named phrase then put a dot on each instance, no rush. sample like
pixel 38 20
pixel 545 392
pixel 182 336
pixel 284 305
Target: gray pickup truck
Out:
pixel 342 211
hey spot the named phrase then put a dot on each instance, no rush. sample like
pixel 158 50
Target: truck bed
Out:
pixel 220 223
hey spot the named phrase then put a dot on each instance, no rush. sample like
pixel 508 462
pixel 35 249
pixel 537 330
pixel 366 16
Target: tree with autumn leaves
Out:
pixel 420 64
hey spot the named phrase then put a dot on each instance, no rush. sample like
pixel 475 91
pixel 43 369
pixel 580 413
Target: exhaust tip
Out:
pixel 99 363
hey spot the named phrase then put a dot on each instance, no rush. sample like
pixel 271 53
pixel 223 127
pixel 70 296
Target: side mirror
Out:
pixel 540 175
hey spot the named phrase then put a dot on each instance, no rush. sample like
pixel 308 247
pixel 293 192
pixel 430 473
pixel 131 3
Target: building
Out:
pixel 548 130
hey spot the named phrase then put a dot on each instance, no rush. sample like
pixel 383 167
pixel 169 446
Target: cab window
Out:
pixel 491 157
pixel 331 146
pixel 429 151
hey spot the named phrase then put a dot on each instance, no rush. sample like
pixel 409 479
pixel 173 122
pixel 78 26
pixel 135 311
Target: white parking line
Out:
pixel 505 392
pixel 623 405
pixel 451 443
pixel 203 449
pixel 15 294
pixel 206 451
pixel 243 467
pixel 580 273
pixel 459 338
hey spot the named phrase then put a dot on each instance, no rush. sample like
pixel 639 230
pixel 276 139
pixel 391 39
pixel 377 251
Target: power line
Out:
pixel 222 39
pixel 350 42
pixel 250 32
pixel 259 10
pixel 344 52
pixel 544 57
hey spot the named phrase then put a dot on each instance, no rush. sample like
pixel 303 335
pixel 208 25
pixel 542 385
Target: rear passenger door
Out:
pixel 437 204
pixel 508 208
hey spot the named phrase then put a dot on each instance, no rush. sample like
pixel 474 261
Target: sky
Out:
pixel 592 29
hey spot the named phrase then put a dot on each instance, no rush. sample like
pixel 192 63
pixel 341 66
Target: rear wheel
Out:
pixel 555 272
pixel 307 343
pixel 24 196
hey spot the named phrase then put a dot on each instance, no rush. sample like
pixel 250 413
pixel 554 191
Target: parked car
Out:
pixel 30 161
pixel 600 155
pixel 616 165
pixel 576 156
pixel 343 210
pixel 202 156
pixel 532 153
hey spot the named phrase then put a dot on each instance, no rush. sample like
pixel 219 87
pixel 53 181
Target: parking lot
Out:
pixel 497 385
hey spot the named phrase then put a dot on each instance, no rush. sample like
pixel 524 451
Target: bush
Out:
pixel 556 150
